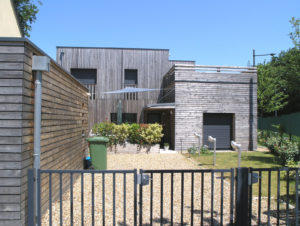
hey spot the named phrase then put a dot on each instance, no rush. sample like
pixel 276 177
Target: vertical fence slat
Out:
pixel 296 197
pixel 135 198
pixel 250 196
pixel 278 196
pixel 182 195
pixel 161 198
pixel 103 199
pixel 60 200
pixel 124 198
pixel 172 187
pixel 269 195
pixel 231 195
pixel 50 199
pixel 38 176
pixel 287 196
pixel 222 198
pixel 192 199
pixel 259 197
pixel 71 199
pixel 151 199
pixel 202 197
pixel 93 199
pixel 114 199
pixel 141 199
pixel 212 198
pixel 82 198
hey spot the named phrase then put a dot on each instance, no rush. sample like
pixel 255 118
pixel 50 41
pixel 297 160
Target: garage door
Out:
pixel 219 126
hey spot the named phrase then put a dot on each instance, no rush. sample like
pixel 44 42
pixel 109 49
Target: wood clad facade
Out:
pixel 111 63
pixel 199 92
pixel 64 120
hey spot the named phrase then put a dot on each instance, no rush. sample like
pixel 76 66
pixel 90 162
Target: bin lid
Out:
pixel 97 139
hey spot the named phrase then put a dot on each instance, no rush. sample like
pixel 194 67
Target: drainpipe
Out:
pixel 39 64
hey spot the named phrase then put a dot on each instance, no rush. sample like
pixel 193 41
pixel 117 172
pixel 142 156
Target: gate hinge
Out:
pixel 142 179
pixel 252 178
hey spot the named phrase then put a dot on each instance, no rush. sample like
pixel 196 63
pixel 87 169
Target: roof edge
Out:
pixel 120 48
pixel 25 40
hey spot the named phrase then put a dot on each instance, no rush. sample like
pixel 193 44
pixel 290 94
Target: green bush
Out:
pixel 204 150
pixel 151 133
pixel 134 133
pixel 287 152
pixel 282 145
pixel 192 150
pixel 121 133
pixel 273 143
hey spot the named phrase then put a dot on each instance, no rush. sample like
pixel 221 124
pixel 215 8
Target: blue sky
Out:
pixel 212 32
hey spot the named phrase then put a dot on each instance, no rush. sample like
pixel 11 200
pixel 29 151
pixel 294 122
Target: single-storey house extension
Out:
pixel 188 99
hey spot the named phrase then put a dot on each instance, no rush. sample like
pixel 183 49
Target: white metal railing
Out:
pixel 212 68
pixel 130 96
pixel 92 90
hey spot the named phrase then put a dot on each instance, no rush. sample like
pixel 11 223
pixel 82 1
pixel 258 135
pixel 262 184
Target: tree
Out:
pixel 270 91
pixel 295 35
pixel 279 82
pixel 26 10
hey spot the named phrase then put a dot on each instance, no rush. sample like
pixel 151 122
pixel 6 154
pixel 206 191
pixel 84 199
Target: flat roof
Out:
pixel 121 48
pixel 160 106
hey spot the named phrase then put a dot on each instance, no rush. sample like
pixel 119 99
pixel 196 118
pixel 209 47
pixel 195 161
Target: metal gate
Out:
pixel 242 196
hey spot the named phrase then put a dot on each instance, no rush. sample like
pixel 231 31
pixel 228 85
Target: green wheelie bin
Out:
pixel 98 152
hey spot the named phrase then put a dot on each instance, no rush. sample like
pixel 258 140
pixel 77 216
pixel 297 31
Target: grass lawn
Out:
pixel 254 159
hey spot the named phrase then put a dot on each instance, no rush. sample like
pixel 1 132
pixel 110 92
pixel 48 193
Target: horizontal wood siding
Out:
pixel 11 132
pixel 64 121
pixel 151 65
pixel 197 93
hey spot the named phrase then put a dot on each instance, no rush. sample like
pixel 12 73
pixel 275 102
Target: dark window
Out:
pixel 131 77
pixel 126 117
pixel 154 118
pixel 131 80
pixel 87 77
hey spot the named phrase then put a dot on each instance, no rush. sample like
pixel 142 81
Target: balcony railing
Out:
pixel 92 90
pixel 130 96
pixel 212 69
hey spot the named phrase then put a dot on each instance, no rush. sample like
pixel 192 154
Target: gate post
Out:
pixel 30 192
pixel 242 196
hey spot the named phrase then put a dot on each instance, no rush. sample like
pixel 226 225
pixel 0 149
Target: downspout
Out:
pixel 39 64
pixel 37 133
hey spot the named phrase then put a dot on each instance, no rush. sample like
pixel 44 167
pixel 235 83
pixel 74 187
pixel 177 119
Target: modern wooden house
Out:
pixel 64 125
pixel 211 100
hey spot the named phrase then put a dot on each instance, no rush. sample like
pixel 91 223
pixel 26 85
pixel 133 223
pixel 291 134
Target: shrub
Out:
pixel 273 143
pixel 152 133
pixel 134 133
pixel 120 133
pixel 204 150
pixel 192 150
pixel 287 152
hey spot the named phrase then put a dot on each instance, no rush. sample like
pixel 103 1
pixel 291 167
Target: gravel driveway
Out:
pixel 146 161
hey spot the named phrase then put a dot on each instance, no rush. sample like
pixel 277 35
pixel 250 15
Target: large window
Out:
pixel 131 80
pixel 87 77
pixel 126 117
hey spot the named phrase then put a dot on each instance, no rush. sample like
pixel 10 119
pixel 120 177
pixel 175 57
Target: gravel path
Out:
pixel 147 161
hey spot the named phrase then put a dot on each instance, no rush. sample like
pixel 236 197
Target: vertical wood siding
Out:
pixel 151 64
pixel 64 120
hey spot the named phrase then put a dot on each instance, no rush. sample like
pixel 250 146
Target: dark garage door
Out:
pixel 219 126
